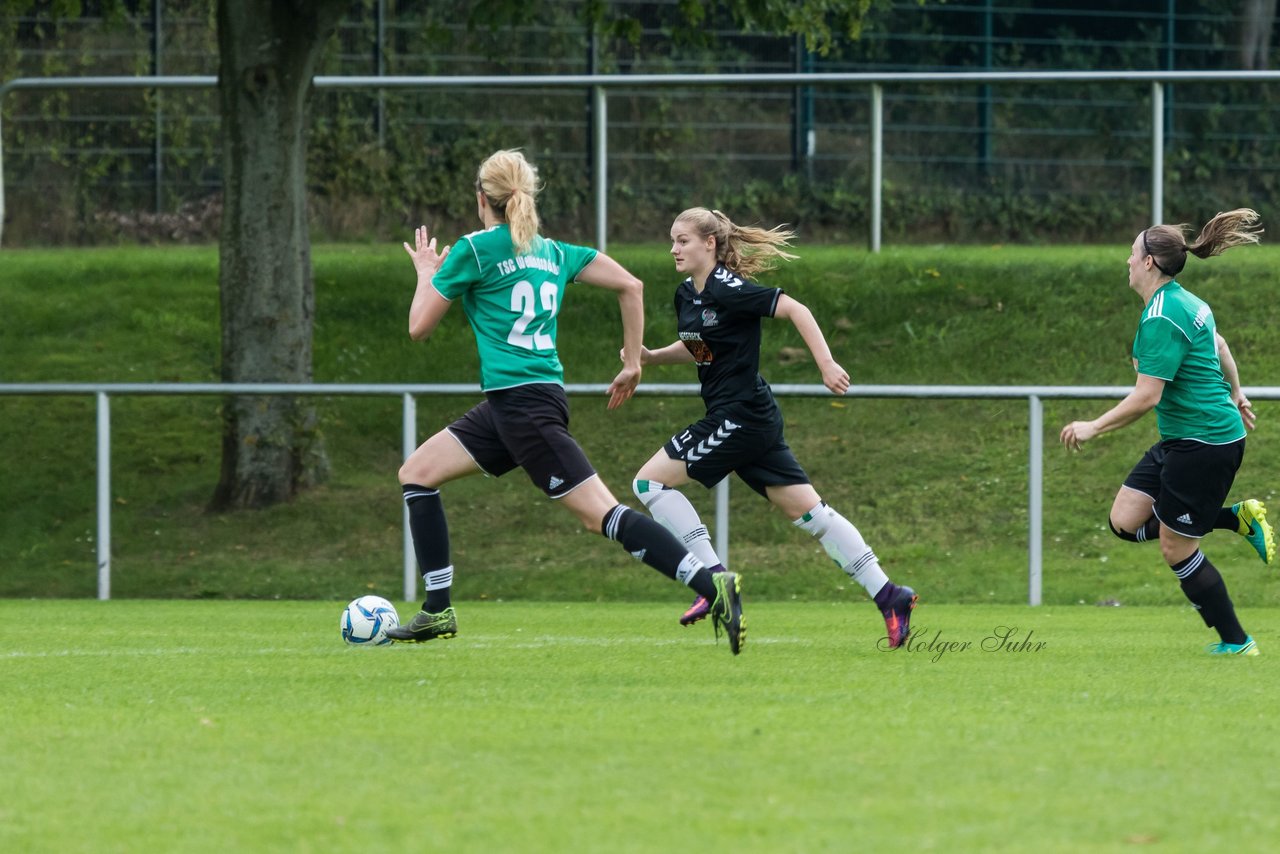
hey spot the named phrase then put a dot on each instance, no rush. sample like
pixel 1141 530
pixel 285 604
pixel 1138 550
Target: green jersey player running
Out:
pixel 512 281
pixel 1186 373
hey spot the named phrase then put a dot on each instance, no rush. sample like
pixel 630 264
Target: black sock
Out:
pixel 657 547
pixel 1203 585
pixel 1149 532
pixel 703 583
pixel 1226 521
pixel 430 532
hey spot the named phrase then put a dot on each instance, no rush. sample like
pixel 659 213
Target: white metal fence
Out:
pixel 1034 395
pixel 599 85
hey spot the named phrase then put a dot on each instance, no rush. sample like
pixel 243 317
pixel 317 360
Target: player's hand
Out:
pixel 623 386
pixel 425 258
pixel 1246 409
pixel 1077 433
pixel 835 378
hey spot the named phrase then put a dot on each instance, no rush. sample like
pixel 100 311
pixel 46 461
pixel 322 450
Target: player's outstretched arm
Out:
pixel 604 272
pixel 672 354
pixel 428 306
pixel 1146 393
pixel 834 377
pixel 1232 374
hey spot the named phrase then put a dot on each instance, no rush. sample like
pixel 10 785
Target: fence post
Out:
pixel 104 496
pixel 1035 483
pixel 600 105
pixel 408 444
pixel 877 160
pixel 157 68
pixel 1157 152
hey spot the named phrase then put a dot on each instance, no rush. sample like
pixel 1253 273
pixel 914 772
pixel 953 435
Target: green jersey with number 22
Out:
pixel 512 301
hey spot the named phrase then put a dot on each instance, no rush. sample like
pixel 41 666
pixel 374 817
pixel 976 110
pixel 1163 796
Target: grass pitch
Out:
pixel 216 726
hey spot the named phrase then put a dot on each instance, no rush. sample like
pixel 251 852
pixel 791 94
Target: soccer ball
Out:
pixel 366 620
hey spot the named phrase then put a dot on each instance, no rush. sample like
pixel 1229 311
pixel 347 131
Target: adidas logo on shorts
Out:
pixel 1185 518
pixel 556 481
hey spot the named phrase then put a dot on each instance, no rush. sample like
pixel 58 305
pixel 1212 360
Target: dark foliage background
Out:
pixel 1017 162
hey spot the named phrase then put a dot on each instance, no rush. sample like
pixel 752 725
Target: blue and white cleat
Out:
pixel 1224 648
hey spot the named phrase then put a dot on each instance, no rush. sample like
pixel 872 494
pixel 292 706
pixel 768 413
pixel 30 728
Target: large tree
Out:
pixel 268 51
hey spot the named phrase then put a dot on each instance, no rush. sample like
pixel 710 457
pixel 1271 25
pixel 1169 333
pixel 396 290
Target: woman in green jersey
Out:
pixel 511 281
pixel 1185 372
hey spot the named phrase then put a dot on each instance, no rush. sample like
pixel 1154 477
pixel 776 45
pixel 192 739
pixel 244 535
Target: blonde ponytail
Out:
pixel 510 184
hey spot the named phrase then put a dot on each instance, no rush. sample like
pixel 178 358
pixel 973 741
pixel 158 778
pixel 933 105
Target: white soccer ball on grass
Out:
pixel 366 620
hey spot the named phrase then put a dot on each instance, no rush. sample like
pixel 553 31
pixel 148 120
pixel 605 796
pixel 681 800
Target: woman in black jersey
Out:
pixel 718 312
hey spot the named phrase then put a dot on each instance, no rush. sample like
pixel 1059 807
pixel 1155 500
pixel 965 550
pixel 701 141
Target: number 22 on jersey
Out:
pixel 524 302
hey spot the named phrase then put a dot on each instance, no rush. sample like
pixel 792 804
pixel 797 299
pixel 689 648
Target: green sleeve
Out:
pixel 576 259
pixel 459 271
pixel 1160 348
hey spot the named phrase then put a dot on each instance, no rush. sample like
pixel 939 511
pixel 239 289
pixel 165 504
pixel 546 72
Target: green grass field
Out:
pixel 249 726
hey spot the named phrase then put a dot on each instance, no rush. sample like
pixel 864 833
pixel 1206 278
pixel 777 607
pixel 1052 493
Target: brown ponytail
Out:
pixel 1167 244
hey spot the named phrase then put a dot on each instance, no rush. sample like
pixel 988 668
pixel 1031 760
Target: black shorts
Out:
pixel 525 426
pixel 721 444
pixel 1188 480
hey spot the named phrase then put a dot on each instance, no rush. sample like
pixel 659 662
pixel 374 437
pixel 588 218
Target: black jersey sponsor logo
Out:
pixel 702 354
pixel 709 317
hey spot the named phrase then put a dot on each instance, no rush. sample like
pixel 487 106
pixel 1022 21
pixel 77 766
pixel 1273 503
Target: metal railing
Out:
pixel 599 84
pixel 1034 395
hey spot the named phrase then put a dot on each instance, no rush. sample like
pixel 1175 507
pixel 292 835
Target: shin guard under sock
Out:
pixel 656 546
pixel 1203 586
pixel 672 510
pixel 430 531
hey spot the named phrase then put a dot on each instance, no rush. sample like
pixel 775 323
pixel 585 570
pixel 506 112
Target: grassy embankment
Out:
pixel 938 487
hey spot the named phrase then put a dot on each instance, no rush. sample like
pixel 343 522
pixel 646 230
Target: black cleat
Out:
pixel 425 627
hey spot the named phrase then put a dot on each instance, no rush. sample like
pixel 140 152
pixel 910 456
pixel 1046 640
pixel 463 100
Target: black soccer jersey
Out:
pixel 721 328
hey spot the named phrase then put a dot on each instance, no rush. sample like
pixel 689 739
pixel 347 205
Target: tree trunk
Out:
pixel 1256 20
pixel 271 447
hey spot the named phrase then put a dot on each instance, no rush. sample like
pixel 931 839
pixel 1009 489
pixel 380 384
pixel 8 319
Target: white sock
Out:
pixel 845 546
pixel 670 509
